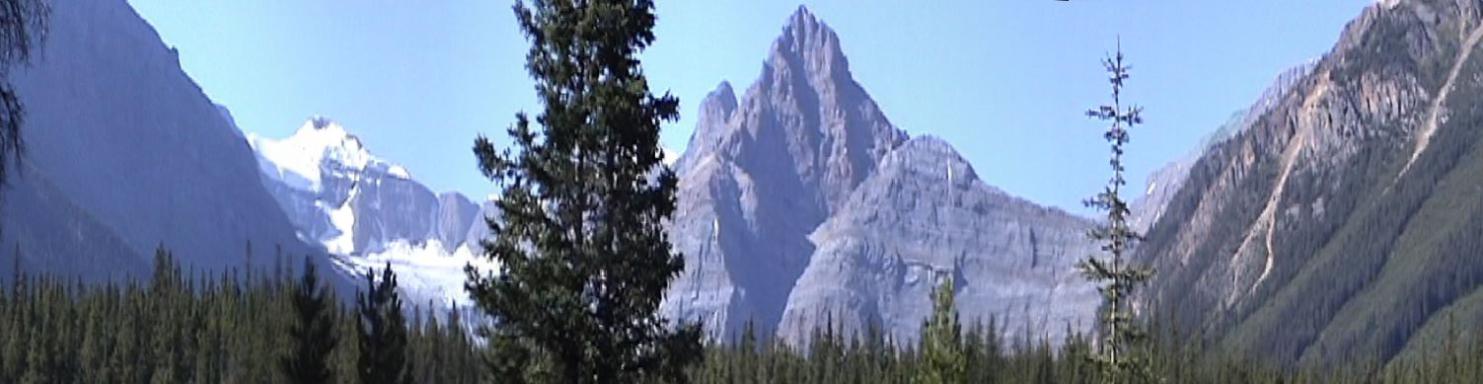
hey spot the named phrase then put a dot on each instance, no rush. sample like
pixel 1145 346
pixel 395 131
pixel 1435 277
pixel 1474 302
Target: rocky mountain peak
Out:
pixel 320 149
pixel 715 109
pixel 812 44
pixel 718 104
pixel 930 155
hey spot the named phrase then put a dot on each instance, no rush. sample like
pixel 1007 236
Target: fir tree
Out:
pixel 584 260
pixel 167 348
pixel 382 331
pixel 312 333
pixel 944 360
pixel 1118 352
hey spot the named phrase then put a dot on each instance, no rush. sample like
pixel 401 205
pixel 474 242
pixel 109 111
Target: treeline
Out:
pixel 231 328
pixel 991 357
pixel 226 328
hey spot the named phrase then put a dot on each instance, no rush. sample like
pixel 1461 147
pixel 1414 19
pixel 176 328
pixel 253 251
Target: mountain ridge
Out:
pixel 160 157
pixel 1307 239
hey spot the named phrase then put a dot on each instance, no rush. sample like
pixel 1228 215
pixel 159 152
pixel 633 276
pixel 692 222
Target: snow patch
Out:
pixel 342 218
pixel 399 172
pixel 425 271
pixel 319 146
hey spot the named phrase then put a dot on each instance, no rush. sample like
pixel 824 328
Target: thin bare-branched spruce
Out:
pixel 1117 354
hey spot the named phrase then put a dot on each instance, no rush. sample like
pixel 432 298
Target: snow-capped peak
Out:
pixel 320 145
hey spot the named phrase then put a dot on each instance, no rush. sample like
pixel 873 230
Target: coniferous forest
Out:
pixel 242 327
pixel 275 326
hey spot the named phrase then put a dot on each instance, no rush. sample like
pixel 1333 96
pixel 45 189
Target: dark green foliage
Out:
pixel 443 351
pixel 584 260
pixel 943 357
pixel 201 329
pixel 382 331
pixel 312 335
pixel 23 24
pixel 1118 352
pixel 870 358
pixel 233 331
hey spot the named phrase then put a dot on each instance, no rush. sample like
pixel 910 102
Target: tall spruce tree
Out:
pixel 313 331
pixel 943 357
pixel 1119 355
pixel 584 260
pixel 382 330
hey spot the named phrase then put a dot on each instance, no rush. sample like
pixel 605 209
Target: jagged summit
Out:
pixel 806 145
pixel 366 211
pixel 319 145
pixel 723 99
pixel 320 122
pixel 715 109
pixel 806 40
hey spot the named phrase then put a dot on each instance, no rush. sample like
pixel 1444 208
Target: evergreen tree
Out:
pixel 167 348
pixel 584 260
pixel 312 333
pixel 382 331
pixel 1118 352
pixel 944 360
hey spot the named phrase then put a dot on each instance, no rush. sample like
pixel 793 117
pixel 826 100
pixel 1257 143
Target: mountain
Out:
pixel 367 211
pixel 782 195
pixel 124 154
pixel 1164 182
pixel 1342 223
pixel 923 215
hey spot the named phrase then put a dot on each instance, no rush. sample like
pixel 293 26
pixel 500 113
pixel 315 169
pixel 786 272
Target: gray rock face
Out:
pixel 1165 181
pixel 479 230
pixel 787 214
pixel 922 216
pixel 125 153
pixel 456 215
pixel 340 195
pixel 370 213
pixel 1321 234
pixel 388 208
pixel 763 173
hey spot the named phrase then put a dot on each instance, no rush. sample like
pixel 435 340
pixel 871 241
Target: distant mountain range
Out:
pixel 799 204
pixel 1337 217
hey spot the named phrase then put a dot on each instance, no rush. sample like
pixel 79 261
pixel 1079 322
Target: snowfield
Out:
pixel 425 272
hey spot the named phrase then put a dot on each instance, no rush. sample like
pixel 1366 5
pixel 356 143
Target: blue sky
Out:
pixel 1004 81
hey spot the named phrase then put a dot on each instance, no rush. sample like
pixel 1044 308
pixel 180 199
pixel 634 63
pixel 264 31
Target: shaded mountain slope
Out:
pixel 125 150
pixel 1313 237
